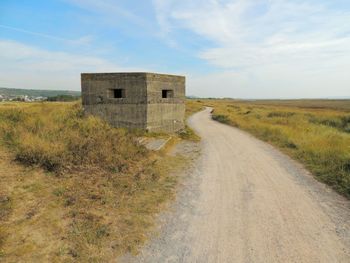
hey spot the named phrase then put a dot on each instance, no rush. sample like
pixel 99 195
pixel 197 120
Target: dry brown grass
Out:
pixel 341 105
pixel 86 192
pixel 193 106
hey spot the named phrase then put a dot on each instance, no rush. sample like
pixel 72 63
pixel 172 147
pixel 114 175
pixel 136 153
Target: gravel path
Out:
pixel 244 201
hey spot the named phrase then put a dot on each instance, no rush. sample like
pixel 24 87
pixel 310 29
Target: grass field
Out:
pixel 342 105
pixel 74 188
pixel 315 132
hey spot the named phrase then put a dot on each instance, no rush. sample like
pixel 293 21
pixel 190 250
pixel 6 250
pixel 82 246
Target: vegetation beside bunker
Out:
pixel 99 195
pixel 63 139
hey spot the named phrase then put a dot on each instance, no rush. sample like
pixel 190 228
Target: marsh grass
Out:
pixel 79 190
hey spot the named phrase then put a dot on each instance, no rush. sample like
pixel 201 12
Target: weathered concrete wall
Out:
pixel 143 106
pixel 128 112
pixel 165 114
pixel 165 117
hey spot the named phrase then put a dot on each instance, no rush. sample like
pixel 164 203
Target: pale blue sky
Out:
pixel 226 48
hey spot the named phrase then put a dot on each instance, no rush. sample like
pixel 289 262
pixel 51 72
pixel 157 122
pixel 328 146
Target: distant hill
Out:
pixel 37 93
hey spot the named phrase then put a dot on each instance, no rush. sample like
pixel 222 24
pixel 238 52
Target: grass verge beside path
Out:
pixel 87 192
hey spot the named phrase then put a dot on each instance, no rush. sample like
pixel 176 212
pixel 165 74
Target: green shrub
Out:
pixel 280 114
pixel 341 123
pixel 221 118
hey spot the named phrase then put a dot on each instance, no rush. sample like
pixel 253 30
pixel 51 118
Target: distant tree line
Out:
pixel 63 98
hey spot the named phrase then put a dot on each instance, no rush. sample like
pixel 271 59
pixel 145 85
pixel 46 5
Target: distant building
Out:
pixel 40 98
pixel 150 101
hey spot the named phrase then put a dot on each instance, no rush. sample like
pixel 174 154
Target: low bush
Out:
pixel 281 114
pixel 341 123
pixel 221 118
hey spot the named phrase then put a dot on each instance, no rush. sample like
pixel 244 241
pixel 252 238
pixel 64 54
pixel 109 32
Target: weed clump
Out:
pixel 188 134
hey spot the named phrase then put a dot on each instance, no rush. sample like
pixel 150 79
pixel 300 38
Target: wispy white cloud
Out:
pixel 84 40
pixel 22 65
pixel 249 48
pixel 275 28
pixel 253 42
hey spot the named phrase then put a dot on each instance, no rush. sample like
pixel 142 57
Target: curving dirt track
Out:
pixel 246 202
